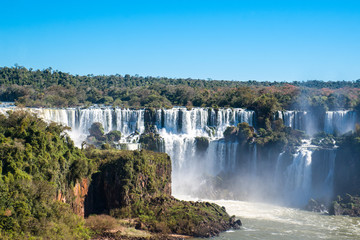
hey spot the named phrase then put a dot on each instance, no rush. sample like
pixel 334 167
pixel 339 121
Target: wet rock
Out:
pixel 235 224
pixel 316 206
pixel 349 205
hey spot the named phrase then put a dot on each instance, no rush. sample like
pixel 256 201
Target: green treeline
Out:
pixel 51 88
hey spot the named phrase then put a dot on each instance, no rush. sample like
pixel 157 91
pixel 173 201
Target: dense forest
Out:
pixel 51 88
pixel 37 162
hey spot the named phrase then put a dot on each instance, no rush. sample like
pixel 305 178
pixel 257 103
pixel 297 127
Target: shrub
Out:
pixel 101 223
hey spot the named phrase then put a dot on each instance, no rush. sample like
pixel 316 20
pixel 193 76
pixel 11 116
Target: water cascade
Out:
pixel 339 121
pixel 297 176
pixel 194 140
pixel 181 130
pixel 331 122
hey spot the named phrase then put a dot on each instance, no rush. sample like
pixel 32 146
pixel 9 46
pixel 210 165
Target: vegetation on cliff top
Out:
pixel 137 185
pixel 98 138
pixel 276 134
pixel 38 161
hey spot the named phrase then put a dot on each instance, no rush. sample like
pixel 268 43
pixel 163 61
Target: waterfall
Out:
pixel 126 121
pixel 179 127
pixel 254 162
pixel 278 172
pixel 201 121
pixel 297 177
pixel 339 121
pixel 309 175
pixel 333 122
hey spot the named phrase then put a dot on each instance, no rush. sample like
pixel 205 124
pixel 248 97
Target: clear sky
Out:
pixel 232 40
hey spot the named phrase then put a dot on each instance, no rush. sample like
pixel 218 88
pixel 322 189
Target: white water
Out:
pixel 298 175
pixel 294 183
pixel 338 122
pixel 179 127
pixel 265 221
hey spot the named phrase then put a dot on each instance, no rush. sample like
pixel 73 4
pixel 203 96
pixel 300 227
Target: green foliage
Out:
pixel 265 106
pixel 346 205
pixel 151 141
pixel 202 143
pixel 141 174
pixel 284 138
pixel 277 135
pixel 245 131
pixel 168 215
pixel 350 142
pixel 51 88
pixel 38 161
pixel 242 133
pixel 98 139
pixel 113 136
pixel 97 130
pixel 230 133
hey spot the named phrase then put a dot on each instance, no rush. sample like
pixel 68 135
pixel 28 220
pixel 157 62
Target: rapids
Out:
pixel 264 221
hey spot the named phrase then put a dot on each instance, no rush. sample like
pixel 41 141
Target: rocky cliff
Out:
pixel 137 185
pixel 126 177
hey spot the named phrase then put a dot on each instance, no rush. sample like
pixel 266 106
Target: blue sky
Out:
pixel 231 40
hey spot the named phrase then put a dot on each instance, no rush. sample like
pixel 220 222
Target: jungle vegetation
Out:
pixel 52 88
pixel 38 161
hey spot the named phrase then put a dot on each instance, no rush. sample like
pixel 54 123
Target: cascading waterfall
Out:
pixel 180 127
pixel 126 121
pixel 339 121
pixel 278 172
pixel 201 121
pixel 307 174
pixel 254 162
pixel 333 122
pixel 298 176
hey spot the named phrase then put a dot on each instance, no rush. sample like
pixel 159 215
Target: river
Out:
pixel 265 221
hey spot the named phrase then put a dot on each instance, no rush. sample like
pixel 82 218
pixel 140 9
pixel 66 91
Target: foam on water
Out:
pixel 265 221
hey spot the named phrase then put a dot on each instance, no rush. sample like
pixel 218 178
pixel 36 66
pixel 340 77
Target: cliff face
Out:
pixel 126 177
pixel 137 185
pixel 80 191
pixel 75 196
pixel 347 179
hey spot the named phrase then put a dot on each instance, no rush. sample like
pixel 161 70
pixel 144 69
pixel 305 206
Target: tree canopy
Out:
pixel 52 88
